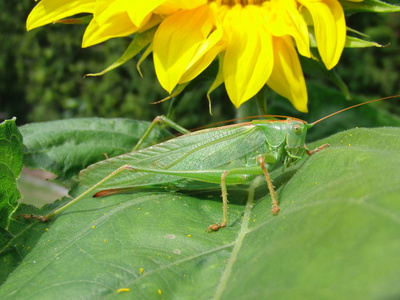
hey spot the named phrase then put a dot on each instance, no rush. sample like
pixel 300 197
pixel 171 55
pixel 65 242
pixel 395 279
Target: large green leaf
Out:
pixel 10 169
pixel 336 237
pixel 65 147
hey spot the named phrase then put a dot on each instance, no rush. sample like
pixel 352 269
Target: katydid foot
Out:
pixel 43 219
pixel 275 209
pixel 215 227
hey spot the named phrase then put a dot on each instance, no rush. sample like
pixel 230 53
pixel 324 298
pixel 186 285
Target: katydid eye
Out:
pixel 297 128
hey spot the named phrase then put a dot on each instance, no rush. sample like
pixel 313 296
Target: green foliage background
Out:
pixel 41 75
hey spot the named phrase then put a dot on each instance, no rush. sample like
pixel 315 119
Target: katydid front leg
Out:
pixel 316 149
pixel 275 207
pixel 215 227
pixel 261 160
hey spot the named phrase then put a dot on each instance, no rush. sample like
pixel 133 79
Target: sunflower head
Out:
pixel 257 42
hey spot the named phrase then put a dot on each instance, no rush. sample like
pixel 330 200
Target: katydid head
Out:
pixel 296 132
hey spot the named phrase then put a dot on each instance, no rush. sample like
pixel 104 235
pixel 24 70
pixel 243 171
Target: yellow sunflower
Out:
pixel 254 40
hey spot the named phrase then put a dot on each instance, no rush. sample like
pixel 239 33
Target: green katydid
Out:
pixel 227 155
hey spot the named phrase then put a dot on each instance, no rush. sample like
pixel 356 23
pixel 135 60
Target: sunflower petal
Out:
pixel 48 11
pixel 249 56
pixel 219 79
pixel 184 4
pixel 205 54
pixel 172 6
pixel 201 64
pixel 330 29
pixel 180 41
pixel 287 77
pixel 137 11
pixel 96 34
pixel 284 19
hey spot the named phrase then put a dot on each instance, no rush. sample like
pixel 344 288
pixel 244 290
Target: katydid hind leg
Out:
pixel 275 207
pixel 52 214
pixel 215 227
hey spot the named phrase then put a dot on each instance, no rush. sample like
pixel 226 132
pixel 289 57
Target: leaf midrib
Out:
pixel 239 241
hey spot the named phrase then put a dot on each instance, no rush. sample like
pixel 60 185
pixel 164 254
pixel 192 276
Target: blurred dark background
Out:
pixel 41 77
